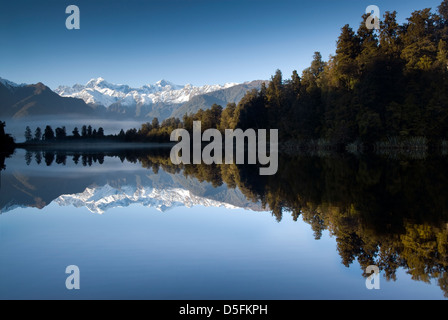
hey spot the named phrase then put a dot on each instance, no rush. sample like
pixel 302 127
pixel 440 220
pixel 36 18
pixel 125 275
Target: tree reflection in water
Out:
pixel 389 213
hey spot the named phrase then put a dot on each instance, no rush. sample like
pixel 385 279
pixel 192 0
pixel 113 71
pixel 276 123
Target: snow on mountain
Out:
pixel 100 199
pixel 100 92
pixel 10 84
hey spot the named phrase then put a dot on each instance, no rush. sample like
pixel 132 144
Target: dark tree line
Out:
pixel 388 85
pixel 379 84
pixel 60 134
pixel 61 158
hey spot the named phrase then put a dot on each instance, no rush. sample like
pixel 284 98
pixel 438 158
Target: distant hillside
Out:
pixel 37 100
pixel 221 97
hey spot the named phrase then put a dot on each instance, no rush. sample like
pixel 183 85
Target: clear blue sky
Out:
pixel 137 42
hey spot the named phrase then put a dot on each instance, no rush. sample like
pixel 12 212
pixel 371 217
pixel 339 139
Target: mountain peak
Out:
pixel 95 82
pixel 39 87
pixel 165 83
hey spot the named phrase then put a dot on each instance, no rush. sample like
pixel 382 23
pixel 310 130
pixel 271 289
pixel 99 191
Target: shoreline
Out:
pixel 94 145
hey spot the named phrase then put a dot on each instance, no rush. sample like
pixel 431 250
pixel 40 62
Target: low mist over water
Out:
pixel 16 127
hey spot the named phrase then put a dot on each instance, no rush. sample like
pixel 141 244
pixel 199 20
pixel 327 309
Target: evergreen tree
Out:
pixel 100 132
pixel 75 133
pixel 296 83
pixel 228 120
pixel 187 121
pixel 60 133
pixel 155 123
pixel 38 134
pixel 6 141
pixel 368 46
pixel 84 131
pixel 48 134
pixel 28 134
pixel 419 51
pixel 348 49
pixel 443 11
pixel 317 65
pixel 212 117
pixel 442 56
pixel 389 32
pixel 2 129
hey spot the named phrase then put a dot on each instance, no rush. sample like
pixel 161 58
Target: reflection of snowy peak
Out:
pixel 108 185
pixel 101 199
pixel 100 92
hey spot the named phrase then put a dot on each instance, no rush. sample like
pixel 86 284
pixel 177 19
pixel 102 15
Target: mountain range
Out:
pixel 103 100
pixel 99 92
pixel 101 199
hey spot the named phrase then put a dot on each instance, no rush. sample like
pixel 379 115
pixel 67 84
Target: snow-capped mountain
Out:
pixel 10 84
pixel 115 182
pixel 100 92
pixel 99 99
pixel 100 199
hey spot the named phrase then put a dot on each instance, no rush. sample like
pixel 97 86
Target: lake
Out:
pixel 138 227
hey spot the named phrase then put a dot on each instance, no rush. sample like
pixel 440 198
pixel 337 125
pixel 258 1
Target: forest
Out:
pixel 381 88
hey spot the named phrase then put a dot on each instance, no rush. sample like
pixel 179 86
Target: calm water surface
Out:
pixel 140 228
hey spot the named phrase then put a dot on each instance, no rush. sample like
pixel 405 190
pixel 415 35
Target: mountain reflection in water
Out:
pixel 392 213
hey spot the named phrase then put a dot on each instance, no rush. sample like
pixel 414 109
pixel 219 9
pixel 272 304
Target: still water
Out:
pixel 138 227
